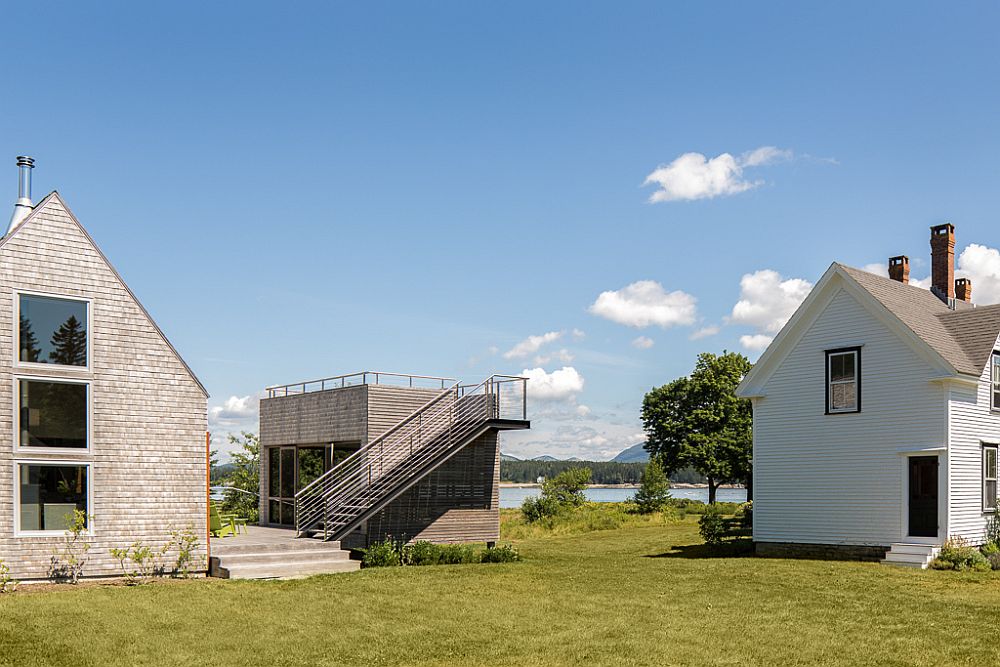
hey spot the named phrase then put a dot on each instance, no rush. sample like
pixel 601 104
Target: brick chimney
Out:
pixel 943 261
pixel 899 269
pixel 963 289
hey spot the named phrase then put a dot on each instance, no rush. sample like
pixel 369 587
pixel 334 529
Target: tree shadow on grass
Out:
pixel 733 549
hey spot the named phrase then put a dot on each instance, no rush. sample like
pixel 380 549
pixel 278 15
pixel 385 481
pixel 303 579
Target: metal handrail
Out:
pixel 365 478
pixel 340 381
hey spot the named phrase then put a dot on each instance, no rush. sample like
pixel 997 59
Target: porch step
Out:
pixel 225 547
pixel 911 555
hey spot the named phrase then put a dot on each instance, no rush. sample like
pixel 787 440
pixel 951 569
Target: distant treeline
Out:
pixel 601 472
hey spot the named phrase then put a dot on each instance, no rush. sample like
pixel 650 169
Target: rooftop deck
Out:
pixel 362 378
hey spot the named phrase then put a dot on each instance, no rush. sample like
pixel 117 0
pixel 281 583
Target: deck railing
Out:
pixel 336 502
pixel 360 378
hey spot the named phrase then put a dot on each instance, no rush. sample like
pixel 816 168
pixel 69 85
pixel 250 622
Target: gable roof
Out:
pixel 54 197
pixel 963 337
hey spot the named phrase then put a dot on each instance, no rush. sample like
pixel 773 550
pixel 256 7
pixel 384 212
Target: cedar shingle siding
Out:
pixel 148 411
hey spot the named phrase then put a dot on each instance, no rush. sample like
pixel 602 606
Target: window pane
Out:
pixel 991 463
pixel 990 490
pixel 53 414
pixel 842 396
pixel 53 331
pixel 311 463
pixel 288 472
pixel 996 399
pixel 842 366
pixel 273 471
pixel 49 494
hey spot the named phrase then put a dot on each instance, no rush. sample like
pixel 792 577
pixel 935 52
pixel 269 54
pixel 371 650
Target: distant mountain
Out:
pixel 545 457
pixel 508 457
pixel 634 454
pixel 574 458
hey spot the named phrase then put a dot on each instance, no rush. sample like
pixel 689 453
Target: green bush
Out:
pixel 567 487
pixel 456 554
pixel 956 554
pixel 654 494
pixel 387 553
pixel 712 525
pixel 994 560
pixel 424 553
pixel 535 508
pixel 505 553
pixel 993 529
pixel 690 506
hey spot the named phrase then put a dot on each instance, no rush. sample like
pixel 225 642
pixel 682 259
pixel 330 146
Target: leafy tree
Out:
pixel 29 342
pixel 70 343
pixel 561 493
pixel 698 421
pixel 654 494
pixel 245 477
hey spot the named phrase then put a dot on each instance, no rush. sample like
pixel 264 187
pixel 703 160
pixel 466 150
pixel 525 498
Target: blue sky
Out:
pixel 308 189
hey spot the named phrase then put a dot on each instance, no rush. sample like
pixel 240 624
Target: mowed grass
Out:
pixel 637 595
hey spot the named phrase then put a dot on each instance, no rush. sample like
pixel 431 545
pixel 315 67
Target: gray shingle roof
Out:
pixel 963 337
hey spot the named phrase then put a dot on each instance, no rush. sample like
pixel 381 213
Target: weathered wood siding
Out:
pixel 389 405
pixel 839 479
pixel 971 423
pixel 457 502
pixel 148 412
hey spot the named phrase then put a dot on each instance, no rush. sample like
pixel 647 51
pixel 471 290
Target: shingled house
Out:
pixel 877 416
pixel 103 414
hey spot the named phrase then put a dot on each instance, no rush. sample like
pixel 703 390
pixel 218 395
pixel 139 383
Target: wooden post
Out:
pixel 208 498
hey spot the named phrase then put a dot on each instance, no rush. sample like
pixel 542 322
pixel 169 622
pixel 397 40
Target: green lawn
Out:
pixel 635 595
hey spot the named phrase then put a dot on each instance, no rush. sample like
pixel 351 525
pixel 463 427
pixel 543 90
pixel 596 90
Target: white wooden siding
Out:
pixel 971 422
pixel 838 479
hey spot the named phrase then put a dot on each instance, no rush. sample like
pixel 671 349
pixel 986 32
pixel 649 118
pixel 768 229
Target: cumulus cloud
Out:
pixel 755 342
pixel 694 176
pixel 531 344
pixel 560 385
pixel 704 332
pixel 766 302
pixel 643 343
pixel 882 269
pixel 982 265
pixel 234 410
pixel 644 303
pixel 562 355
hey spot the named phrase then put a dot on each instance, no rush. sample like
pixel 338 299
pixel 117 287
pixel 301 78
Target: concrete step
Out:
pixel 220 547
pixel 922 549
pixel 911 555
pixel 285 556
pixel 287 570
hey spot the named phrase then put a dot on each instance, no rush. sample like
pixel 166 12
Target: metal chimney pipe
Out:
pixel 23 205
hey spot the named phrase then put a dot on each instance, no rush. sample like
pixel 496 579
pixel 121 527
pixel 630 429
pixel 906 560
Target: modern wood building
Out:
pixel 360 457
pixel 102 413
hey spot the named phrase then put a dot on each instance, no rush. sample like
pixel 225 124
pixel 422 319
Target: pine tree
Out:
pixel 29 344
pixel 70 343
pixel 654 493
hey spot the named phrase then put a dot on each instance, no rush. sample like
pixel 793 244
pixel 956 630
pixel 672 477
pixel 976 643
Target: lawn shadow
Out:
pixel 734 549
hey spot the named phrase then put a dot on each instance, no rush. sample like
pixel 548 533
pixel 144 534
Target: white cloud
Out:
pixel 644 303
pixel 563 356
pixel 693 176
pixel 643 343
pixel 704 332
pixel 756 342
pixel 236 414
pixel 982 265
pixel 767 300
pixel 883 270
pixel 577 334
pixel 582 411
pixel 560 385
pixel 531 344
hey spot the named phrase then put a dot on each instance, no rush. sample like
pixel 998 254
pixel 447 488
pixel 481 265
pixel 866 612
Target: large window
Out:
pixel 52 414
pixel 989 478
pixel 843 380
pixel 995 393
pixel 48 493
pixel 52 330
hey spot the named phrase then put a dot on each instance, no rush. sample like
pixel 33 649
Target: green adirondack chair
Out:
pixel 220 527
pixel 229 517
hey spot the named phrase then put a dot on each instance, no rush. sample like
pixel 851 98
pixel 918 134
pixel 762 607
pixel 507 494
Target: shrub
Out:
pixel 654 492
pixel 138 562
pixel 456 554
pixel 69 560
pixel 956 554
pixel 8 584
pixel 424 553
pixel 567 487
pixel 187 545
pixel 712 525
pixel 387 553
pixel 994 560
pixel 993 529
pixel 535 508
pixel 505 553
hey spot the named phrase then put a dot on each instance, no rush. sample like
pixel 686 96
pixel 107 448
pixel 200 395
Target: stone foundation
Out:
pixel 819 551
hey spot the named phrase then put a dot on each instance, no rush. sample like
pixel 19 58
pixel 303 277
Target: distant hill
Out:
pixel 545 457
pixel 508 457
pixel 634 454
pixel 574 458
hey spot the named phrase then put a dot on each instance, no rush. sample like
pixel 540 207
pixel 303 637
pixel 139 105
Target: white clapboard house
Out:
pixel 877 416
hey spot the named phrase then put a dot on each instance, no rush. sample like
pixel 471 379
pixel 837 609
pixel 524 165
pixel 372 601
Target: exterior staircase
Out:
pixel 273 553
pixel 911 555
pixel 341 499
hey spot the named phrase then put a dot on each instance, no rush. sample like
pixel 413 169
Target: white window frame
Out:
pixel 16 333
pixel 830 354
pixel 51 462
pixel 990 447
pixel 16 408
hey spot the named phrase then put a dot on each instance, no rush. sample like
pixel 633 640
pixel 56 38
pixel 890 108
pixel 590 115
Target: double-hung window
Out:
pixel 989 477
pixel 995 383
pixel 843 380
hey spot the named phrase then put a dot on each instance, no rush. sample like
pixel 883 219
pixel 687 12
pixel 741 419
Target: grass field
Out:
pixel 637 595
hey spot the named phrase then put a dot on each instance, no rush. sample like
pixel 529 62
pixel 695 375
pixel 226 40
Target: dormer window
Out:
pixel 52 331
pixel 843 380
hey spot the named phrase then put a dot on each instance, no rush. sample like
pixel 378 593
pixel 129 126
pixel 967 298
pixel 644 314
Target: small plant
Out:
pixel 456 554
pixel 139 562
pixel 505 553
pixel 712 525
pixel 957 554
pixel 654 492
pixel 425 553
pixel 188 558
pixel 389 552
pixel 8 584
pixel 993 529
pixel 69 560
pixel 535 508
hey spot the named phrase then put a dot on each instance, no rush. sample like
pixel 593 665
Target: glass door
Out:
pixel 281 485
